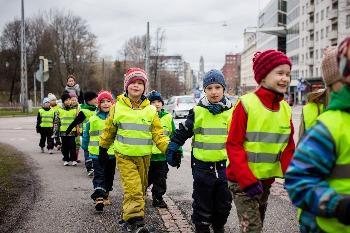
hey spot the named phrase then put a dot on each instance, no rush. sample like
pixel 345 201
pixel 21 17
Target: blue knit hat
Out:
pixel 46 100
pixel 155 95
pixel 214 76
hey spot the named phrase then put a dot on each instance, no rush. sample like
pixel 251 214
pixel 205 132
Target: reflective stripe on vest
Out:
pixel 66 117
pixel 46 118
pixel 96 127
pixel 337 122
pixel 166 122
pixel 267 136
pixel 210 134
pixel 134 136
pixel 310 113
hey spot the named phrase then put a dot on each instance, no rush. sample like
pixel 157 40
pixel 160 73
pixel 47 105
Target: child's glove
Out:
pixel 172 155
pixel 342 212
pixel 38 129
pixel 254 189
pixel 103 155
pixel 215 108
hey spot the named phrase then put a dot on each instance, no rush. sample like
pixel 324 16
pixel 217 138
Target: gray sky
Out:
pixel 193 27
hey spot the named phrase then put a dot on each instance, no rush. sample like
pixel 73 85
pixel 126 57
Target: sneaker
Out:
pixel 160 203
pixel 66 163
pixel 74 163
pixel 90 173
pixel 99 204
pixel 42 149
pixel 78 161
pixel 50 152
pixel 107 201
pixel 136 227
pixel 58 147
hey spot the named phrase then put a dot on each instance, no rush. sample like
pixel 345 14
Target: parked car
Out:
pixel 179 106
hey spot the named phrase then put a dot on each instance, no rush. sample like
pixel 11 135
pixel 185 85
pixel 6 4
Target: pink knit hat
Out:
pixel 104 95
pixel 264 62
pixel 134 74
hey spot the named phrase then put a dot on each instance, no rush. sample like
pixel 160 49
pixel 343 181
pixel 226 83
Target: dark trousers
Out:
pixel 88 161
pixel 211 196
pixel 103 177
pixel 46 135
pixel 68 148
pixel 157 176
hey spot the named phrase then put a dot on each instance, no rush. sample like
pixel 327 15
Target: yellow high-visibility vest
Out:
pixel 66 117
pixel 96 127
pixel 166 122
pixel 310 113
pixel 267 136
pixel 46 118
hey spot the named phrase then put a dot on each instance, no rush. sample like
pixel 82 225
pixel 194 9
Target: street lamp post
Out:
pixel 24 85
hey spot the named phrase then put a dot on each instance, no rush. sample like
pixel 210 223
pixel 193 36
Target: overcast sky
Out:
pixel 193 28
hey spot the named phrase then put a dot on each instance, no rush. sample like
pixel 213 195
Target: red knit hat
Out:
pixel 134 74
pixel 104 95
pixel 264 62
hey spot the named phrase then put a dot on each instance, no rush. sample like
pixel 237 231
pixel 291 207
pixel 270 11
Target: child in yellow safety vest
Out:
pixel 63 117
pixel 158 169
pixel 44 125
pixel 103 172
pixel 133 124
pixel 75 104
pixel 55 107
pixel 208 124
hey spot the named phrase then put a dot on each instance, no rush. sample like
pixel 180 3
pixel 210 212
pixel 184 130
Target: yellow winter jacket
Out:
pixel 110 131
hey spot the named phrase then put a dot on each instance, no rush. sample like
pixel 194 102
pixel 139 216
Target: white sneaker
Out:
pixel 50 152
pixel 66 163
pixel 74 163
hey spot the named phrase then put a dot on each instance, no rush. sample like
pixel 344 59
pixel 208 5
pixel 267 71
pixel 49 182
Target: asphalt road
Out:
pixel 62 199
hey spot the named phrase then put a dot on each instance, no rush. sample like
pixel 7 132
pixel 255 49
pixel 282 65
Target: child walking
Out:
pixel 55 107
pixel 103 171
pixel 87 110
pixel 133 124
pixel 208 123
pixel 63 118
pixel 158 169
pixel 44 125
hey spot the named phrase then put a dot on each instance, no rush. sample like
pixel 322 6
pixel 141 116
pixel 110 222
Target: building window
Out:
pixel 316 54
pixel 327 30
pixel 316 36
pixel 322 14
pixel 327 11
pixel 321 34
pixel 316 17
pixel 302 42
pixel 303 10
pixel 348 21
pixel 302 59
pixel 302 26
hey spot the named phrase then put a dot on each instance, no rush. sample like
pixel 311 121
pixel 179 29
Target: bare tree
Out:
pixel 157 49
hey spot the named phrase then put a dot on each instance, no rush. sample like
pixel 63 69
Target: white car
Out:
pixel 179 106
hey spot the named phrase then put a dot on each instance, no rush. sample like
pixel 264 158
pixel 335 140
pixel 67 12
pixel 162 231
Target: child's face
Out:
pixel 278 79
pixel 67 102
pixel 93 102
pixel 214 92
pixel 70 82
pixel 105 105
pixel 136 88
pixel 47 105
pixel 53 103
pixel 158 104
pixel 74 101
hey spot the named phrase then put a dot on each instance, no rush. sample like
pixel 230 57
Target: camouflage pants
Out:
pixel 250 211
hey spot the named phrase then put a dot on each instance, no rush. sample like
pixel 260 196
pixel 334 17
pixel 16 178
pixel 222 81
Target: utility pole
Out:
pixel 147 56
pixel 34 96
pixel 103 74
pixel 24 85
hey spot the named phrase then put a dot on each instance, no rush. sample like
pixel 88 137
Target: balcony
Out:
pixel 310 44
pixel 310 9
pixel 333 14
pixel 310 27
pixel 309 62
pixel 333 35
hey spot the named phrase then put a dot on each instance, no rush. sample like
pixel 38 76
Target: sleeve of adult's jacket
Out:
pixel 158 136
pixel 238 169
pixel 85 140
pixel 38 121
pixel 185 130
pixel 288 152
pixel 78 120
pixel 109 132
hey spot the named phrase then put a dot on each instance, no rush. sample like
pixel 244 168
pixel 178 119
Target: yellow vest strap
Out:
pixel 209 146
pixel 210 131
pixel 133 126
pixel 267 137
pixel 263 157
pixel 341 171
pixel 134 141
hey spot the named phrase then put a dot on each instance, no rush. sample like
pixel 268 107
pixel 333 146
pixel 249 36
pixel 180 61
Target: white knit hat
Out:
pixel 51 97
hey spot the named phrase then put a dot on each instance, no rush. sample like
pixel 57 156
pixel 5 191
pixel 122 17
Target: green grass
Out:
pixel 4 112
pixel 12 172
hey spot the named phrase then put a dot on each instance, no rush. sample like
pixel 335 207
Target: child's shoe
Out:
pixel 160 203
pixel 66 163
pixel 50 152
pixel 99 204
pixel 74 163
pixel 106 200
pixel 90 173
pixel 42 149
pixel 58 147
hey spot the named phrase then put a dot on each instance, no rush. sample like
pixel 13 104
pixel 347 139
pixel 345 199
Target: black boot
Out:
pixel 218 229
pixel 99 204
pixel 159 202
pixel 202 228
